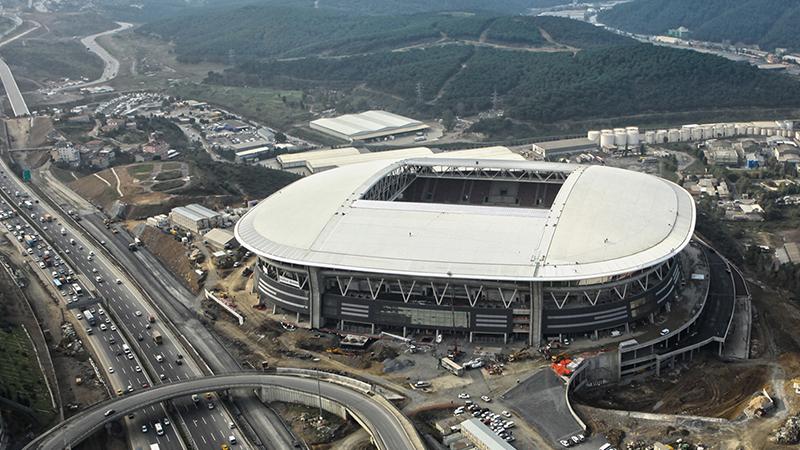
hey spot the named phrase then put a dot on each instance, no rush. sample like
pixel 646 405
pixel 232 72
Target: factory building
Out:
pixel 553 150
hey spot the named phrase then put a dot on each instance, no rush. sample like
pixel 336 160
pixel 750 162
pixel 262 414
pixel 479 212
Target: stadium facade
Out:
pixel 508 249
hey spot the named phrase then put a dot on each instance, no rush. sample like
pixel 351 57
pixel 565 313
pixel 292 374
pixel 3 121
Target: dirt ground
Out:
pixel 27 133
pixel 172 254
pixel 305 425
pixel 687 390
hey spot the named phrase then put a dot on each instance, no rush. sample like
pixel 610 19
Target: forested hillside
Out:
pixel 147 10
pixel 257 32
pixel 543 69
pixel 539 87
pixel 767 23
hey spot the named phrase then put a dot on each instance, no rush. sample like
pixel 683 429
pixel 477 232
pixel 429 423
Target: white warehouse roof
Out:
pixel 603 221
pixel 289 160
pixel 367 125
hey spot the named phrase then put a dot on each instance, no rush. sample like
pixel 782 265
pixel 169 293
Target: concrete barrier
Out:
pixel 568 390
pixel 352 383
pixel 224 305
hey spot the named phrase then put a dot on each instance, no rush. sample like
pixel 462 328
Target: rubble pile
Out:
pixel 789 433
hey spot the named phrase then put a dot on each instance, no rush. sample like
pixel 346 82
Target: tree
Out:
pixel 448 119
pixel 280 138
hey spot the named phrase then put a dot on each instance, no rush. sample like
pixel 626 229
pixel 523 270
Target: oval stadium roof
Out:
pixel 603 221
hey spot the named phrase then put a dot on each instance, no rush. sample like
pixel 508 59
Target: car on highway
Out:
pixel 109 412
pixel 210 405
pixel 94 269
pixel 162 377
pixel 79 316
pixel 120 392
pixel 131 415
pixel 565 442
pixel 98 279
pixel 138 313
pixel 130 355
pixel 110 370
pixel 665 331
pixel 113 328
pixel 137 369
pixel 166 421
pixel 159 358
pixel 505 413
pixel 118 281
pixel 103 327
pixel 144 428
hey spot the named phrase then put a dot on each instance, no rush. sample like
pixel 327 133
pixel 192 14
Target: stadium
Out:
pixel 501 250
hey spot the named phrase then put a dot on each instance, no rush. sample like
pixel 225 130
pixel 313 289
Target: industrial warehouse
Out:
pixel 368 126
pixel 510 250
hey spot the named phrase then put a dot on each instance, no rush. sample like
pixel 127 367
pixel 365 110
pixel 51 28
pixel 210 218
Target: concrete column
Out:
pixel 470 336
pixel 596 335
pixel 536 305
pixel 404 331
pixel 627 328
pixel 297 317
pixel 505 338
pixel 315 297
pixel 373 328
pixel 341 324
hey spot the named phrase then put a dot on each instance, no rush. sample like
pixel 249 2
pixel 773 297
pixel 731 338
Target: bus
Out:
pixel 451 366
pixel 77 289
pixel 89 317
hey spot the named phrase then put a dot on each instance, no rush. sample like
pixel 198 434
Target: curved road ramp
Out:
pixel 387 426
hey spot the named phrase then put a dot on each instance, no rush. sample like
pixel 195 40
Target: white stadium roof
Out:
pixel 367 124
pixel 604 221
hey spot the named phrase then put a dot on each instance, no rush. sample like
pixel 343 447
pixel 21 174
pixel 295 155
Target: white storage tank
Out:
pixel 697 133
pixel 730 130
pixel 674 135
pixel 607 139
pixel 650 137
pixel 717 130
pixel 620 137
pixel 770 131
pixel 686 134
pixel 797 135
pixel 661 135
pixel 750 131
pixel 593 136
pixel 633 136
pixel 741 129
pixel 756 131
pixel 708 132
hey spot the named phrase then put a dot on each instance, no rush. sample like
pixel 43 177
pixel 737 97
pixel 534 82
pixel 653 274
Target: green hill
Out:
pixel 767 23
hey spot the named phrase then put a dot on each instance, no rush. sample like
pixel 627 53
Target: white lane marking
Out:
pixel 204 439
pixel 204 419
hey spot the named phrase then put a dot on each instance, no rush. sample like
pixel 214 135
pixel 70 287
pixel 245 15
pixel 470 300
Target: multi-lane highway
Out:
pixel 166 362
pixel 385 426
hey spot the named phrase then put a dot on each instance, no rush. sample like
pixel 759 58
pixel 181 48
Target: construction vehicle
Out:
pixel 157 337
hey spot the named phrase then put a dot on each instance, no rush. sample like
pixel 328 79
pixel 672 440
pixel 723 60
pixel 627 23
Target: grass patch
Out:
pixel 140 171
pixel 20 377
pixel 168 175
pixel 44 60
pixel 75 131
pixel 277 108
pixel 167 185
pixel 171 166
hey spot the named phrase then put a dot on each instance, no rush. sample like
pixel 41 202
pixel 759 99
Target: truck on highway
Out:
pixel 126 349
pixel 138 241
pixel 157 337
pixel 63 232
pixel 154 447
pixel 30 240
pixel 27 204
pixel 89 318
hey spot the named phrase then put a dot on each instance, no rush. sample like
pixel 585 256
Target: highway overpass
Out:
pixel 18 105
pixel 388 428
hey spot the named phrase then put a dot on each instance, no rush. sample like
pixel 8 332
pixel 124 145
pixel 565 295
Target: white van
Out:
pixel 159 429
pixel 125 348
